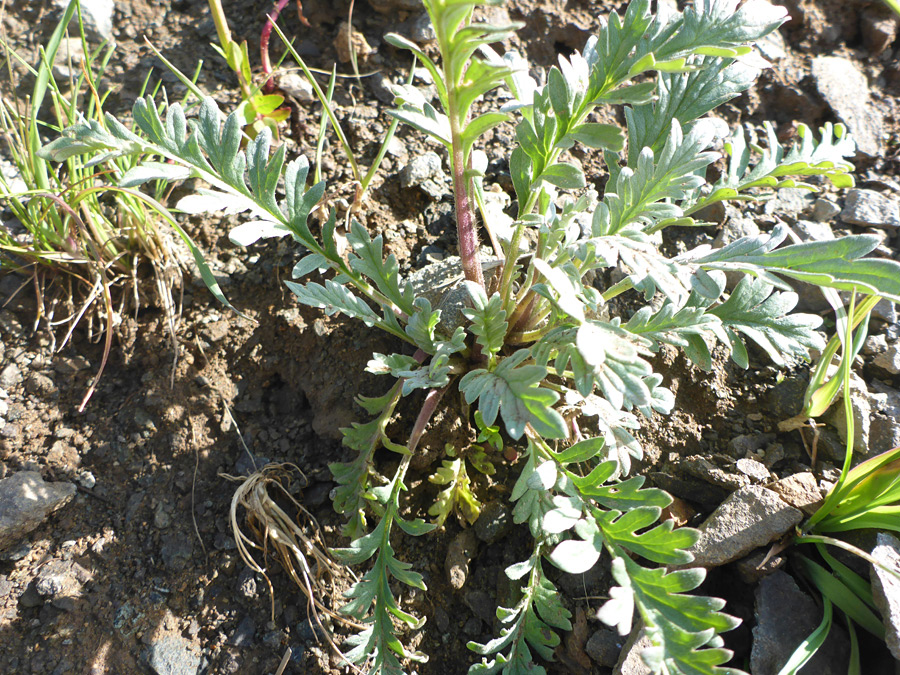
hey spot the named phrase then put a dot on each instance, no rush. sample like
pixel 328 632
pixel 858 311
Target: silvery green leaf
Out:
pixel 596 135
pixel 633 94
pixel 615 357
pixel 427 120
pixel 544 477
pixel 837 263
pixel 214 201
pixel 685 97
pixel 148 171
pixel 564 516
pixel 394 364
pixel 764 317
pixel 662 544
pixel 384 272
pixel 618 611
pixel 575 556
pixel 519 570
pixel 566 292
pixel 613 423
pixel 422 324
pixel 776 168
pixel 334 298
pixel 252 231
pixel 513 390
pixel 522 174
pixel 307 264
pixel 488 319
pixel 567 176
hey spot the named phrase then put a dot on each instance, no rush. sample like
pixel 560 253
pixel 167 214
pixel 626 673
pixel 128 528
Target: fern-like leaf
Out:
pixel 763 316
pixel 513 390
pixel 488 319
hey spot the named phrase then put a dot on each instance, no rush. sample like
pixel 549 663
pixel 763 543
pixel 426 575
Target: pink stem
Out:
pixel 269 84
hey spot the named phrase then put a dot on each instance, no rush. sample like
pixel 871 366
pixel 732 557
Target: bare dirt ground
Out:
pixel 149 545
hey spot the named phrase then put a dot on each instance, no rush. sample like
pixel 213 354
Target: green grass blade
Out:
pixel 842 596
pixel 807 649
pixel 40 91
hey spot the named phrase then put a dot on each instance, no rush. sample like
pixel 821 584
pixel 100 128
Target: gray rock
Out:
pixel 25 501
pixel 702 468
pixel 61 581
pixel 878 26
pixel 482 605
pixel 459 554
pixel 862 413
pixel 10 376
pixel 800 490
pixel 889 359
pixel 736 225
pixel 751 517
pixel 426 166
pixel 886 588
pixel 244 633
pixel 812 230
pixel 68 60
pixel 297 86
pixel 846 90
pixel 39 384
pixel 747 445
pixel 421 30
pixel 441 619
pixel 824 210
pixel 493 523
pixel 871 209
pixel 756 471
pixel 778 631
pixel 885 434
pixel 758 565
pixel 875 344
pixel 381 86
pixel 789 201
pixel 630 661
pixel 604 647
pixel 785 399
pixel 176 550
pixel 172 655
pixel 97 16
pixel 69 365
pixel 309 631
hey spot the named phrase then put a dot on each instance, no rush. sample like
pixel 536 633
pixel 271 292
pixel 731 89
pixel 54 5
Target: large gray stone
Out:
pixel 630 661
pixel 862 414
pixel 846 90
pixel 97 16
pixel 886 588
pixel 884 433
pixel 172 655
pixel 871 209
pixel 750 517
pixel 25 501
pixel 785 616
pixel 889 359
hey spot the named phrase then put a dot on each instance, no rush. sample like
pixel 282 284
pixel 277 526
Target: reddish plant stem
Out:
pixel 428 407
pixel 269 84
pixel 465 218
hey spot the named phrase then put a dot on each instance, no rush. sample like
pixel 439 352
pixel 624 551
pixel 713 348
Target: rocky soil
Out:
pixel 116 554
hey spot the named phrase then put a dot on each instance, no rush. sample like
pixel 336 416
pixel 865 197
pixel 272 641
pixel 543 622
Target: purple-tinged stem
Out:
pixel 425 414
pixel 269 84
pixel 465 218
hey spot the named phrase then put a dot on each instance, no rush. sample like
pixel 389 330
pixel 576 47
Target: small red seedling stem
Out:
pixel 269 84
